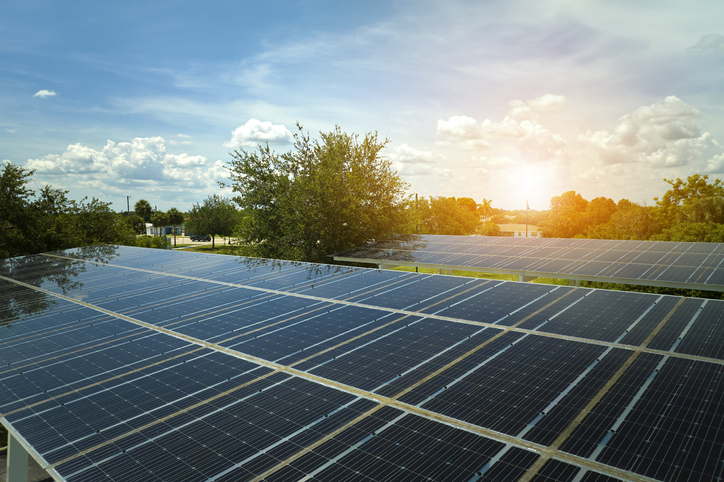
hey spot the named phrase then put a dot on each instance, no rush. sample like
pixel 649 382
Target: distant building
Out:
pixel 519 230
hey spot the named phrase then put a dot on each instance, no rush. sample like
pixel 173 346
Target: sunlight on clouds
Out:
pixel 257 132
pixel 663 134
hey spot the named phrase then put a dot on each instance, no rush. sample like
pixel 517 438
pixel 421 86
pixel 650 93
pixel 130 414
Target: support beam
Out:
pixel 17 462
pixel 442 271
pixel 574 282
pixel 525 278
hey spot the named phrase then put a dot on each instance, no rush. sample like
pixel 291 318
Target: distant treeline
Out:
pixel 691 210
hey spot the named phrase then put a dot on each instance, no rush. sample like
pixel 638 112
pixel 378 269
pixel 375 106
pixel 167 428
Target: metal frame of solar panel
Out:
pixel 685 265
pixel 121 363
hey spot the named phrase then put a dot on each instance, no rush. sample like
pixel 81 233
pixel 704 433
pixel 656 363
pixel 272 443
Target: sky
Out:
pixel 511 101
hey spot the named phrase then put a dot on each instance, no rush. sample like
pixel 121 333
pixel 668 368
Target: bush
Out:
pixel 158 242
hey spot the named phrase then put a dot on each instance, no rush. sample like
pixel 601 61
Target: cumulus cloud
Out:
pixel 44 93
pixel 255 132
pixel 548 103
pixel 410 162
pixel 709 43
pixel 663 134
pixel 520 124
pixel 143 161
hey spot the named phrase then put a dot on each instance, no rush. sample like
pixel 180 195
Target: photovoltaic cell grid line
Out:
pixel 128 417
pixel 661 263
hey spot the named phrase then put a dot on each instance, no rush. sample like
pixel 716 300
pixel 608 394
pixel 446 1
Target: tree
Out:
pixel 143 208
pixel 35 222
pixel 448 215
pixel 175 217
pixel 159 219
pixel 135 222
pixel 324 196
pixel 216 216
pixel 567 216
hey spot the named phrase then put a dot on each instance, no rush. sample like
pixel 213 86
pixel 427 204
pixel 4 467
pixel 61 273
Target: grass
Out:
pixel 476 274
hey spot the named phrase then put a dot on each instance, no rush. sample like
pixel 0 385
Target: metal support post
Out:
pixel 17 462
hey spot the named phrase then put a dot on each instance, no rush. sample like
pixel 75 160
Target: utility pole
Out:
pixel 417 214
pixel 527 208
pixel 128 205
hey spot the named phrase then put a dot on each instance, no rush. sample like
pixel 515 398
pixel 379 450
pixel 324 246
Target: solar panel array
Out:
pixel 659 263
pixel 130 364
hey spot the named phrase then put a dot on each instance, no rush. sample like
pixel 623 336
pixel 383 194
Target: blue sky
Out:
pixel 504 100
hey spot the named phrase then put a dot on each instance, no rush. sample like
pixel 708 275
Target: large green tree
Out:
pixel 215 216
pixel 324 196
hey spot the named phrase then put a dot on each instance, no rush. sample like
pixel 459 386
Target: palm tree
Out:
pixel 175 217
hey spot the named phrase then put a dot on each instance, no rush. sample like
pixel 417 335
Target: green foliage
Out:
pixel 159 219
pixel 46 220
pixel 135 223
pixel 175 217
pixel 567 217
pixel 216 216
pixel 158 242
pixel 489 229
pixel 324 196
pixel 448 215
pixel 143 208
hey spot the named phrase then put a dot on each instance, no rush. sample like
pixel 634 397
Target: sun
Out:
pixel 535 182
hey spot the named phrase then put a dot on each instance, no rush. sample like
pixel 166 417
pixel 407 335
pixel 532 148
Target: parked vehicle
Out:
pixel 200 237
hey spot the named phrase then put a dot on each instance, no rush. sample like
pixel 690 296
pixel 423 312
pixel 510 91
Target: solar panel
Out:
pixel 685 265
pixel 134 364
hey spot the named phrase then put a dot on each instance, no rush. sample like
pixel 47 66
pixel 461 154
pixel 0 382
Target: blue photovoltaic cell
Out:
pixel 309 333
pixel 602 315
pixel 247 426
pixel 109 399
pixel 597 259
pixel 667 426
pixel 408 447
pixel 494 302
pixel 507 387
pixel 670 332
pixel 559 471
pixel 392 354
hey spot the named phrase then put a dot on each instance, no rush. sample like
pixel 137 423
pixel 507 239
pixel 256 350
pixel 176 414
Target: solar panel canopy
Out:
pixel 128 364
pixel 687 265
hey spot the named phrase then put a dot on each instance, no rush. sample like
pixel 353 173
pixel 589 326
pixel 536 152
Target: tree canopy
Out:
pixel 215 216
pixel 143 208
pixel 36 221
pixel 323 196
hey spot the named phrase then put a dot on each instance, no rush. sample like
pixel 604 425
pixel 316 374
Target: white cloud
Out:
pixel 12 131
pixel 711 43
pixel 548 103
pixel 530 138
pixel 44 93
pixel 141 162
pixel 257 132
pixel 411 162
pixel 663 134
